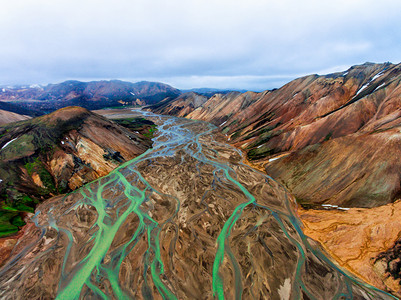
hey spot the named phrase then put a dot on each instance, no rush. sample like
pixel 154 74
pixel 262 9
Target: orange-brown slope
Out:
pixel 305 111
pixel 355 238
pixel 222 107
pixel 312 109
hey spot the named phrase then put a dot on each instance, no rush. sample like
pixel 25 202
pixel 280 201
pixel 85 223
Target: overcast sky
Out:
pixel 252 44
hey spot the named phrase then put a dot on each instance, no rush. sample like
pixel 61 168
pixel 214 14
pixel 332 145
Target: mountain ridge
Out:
pixel 309 110
pixel 91 95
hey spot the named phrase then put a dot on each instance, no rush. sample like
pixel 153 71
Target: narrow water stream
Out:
pixel 185 220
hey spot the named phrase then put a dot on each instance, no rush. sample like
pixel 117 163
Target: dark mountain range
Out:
pixel 91 95
pixel 14 108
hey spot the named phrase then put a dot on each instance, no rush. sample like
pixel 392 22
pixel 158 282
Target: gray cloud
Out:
pixel 255 44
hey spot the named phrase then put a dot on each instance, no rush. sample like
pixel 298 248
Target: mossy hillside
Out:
pixel 145 127
pixel 17 198
pixel 40 135
pixel 34 142
pixel 21 147
pixel 259 153
pixel 151 132
pixel 11 219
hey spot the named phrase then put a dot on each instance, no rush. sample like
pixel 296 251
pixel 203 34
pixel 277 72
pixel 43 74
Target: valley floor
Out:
pixel 186 219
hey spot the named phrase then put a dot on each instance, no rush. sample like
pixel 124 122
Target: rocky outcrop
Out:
pixel 58 153
pixel 388 264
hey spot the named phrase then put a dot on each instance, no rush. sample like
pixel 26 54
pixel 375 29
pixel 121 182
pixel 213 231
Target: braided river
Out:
pixel 185 220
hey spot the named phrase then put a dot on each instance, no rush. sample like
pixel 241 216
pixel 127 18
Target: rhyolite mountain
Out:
pixel 91 95
pixel 57 153
pixel 352 112
pixel 180 106
pixel 335 142
pixel 209 92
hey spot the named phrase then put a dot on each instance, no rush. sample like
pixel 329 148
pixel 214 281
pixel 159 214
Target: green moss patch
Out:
pixel 20 147
pixel 9 222
pixel 145 127
pixel 151 132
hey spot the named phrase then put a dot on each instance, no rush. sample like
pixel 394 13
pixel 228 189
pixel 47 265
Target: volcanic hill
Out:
pixel 355 109
pixel 57 153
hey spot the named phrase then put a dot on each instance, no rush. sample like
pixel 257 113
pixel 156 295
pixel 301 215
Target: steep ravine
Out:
pixel 352 111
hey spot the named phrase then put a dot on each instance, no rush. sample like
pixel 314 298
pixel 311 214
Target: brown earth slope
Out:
pixel 358 170
pixel 8 117
pixel 91 95
pixel 181 106
pixel 362 240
